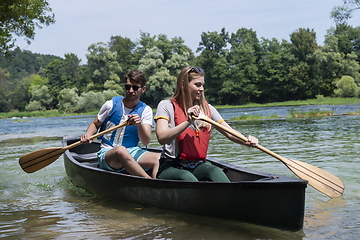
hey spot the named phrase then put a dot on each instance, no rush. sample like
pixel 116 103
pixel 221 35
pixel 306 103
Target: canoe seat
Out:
pixel 85 157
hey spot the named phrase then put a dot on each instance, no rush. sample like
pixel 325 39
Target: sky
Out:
pixel 80 23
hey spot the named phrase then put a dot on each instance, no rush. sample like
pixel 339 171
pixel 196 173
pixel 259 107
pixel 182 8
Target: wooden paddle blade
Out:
pixel 39 159
pixel 319 179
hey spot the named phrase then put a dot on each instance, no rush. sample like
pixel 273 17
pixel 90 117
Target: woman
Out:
pixel 186 140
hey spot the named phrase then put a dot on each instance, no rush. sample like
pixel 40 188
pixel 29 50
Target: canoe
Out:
pixel 251 196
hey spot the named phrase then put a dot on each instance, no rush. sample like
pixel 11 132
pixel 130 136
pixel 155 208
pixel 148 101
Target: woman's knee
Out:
pixel 187 176
pixel 208 171
pixel 177 174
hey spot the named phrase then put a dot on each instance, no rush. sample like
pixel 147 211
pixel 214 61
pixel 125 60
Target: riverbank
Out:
pixel 40 114
pixel 318 101
pixel 294 114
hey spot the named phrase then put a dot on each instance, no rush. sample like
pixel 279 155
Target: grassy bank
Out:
pixel 312 113
pixel 38 114
pixel 318 101
pixel 293 114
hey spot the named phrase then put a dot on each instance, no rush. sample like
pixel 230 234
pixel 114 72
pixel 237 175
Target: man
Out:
pixel 119 149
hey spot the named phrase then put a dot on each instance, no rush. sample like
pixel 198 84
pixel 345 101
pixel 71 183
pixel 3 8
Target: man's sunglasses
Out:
pixel 129 86
pixel 196 69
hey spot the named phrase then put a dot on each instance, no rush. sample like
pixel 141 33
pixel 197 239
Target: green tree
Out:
pixel 161 76
pixel 124 49
pixel 21 70
pixel 341 14
pixel 17 94
pixel 36 81
pixel 326 68
pixel 68 99
pixel 151 61
pixel 145 42
pixel 40 99
pixel 303 43
pixel 346 87
pixel 348 38
pixel 102 65
pixel 72 69
pixel 111 85
pixel 90 101
pixel 276 59
pixel 167 47
pixel 161 85
pixel 24 63
pixel 241 82
pixel 213 59
pixel 177 62
pixel 56 79
pixel 330 64
pixel 4 86
pixel 21 17
pixel 299 80
pixel 62 73
pixel 301 74
pixel 109 94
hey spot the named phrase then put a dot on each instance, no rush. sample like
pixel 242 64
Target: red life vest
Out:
pixel 193 144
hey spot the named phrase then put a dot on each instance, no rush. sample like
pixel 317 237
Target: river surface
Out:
pixel 45 204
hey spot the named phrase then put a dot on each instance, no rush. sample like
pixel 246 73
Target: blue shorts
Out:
pixel 135 152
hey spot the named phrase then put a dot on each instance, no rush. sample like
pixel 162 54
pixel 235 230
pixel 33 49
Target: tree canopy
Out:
pixel 239 67
pixel 342 14
pixel 21 17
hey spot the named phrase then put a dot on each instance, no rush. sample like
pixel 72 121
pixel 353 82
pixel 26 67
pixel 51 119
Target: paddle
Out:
pixel 319 179
pixel 39 159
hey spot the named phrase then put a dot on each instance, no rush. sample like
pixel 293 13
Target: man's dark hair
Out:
pixel 136 76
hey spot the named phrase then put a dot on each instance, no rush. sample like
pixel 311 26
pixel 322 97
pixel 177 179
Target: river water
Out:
pixel 45 205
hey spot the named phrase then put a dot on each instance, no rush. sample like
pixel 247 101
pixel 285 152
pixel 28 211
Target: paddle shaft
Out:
pixel 98 135
pixel 240 136
pixel 236 134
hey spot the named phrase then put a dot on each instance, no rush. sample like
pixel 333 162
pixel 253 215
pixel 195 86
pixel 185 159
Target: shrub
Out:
pixel 34 106
pixel 40 98
pixel 346 87
pixel 108 94
pixel 90 101
pixel 68 99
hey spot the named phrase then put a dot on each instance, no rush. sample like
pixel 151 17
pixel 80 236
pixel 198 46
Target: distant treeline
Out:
pixel 239 68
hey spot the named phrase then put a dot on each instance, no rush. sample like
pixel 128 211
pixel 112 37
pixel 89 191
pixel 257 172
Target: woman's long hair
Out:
pixel 182 94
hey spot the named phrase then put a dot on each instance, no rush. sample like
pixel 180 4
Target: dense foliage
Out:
pixel 20 17
pixel 239 68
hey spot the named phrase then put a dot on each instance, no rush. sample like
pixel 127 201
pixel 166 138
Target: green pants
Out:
pixel 203 172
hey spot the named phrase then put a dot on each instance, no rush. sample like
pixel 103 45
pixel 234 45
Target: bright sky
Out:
pixel 80 23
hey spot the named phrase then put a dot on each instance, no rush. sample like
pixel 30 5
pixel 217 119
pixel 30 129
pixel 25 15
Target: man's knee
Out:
pixel 121 152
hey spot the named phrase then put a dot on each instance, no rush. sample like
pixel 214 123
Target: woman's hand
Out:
pixel 193 111
pixel 252 142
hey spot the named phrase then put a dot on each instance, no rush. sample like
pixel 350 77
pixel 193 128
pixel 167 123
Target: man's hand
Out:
pixel 134 119
pixel 85 138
